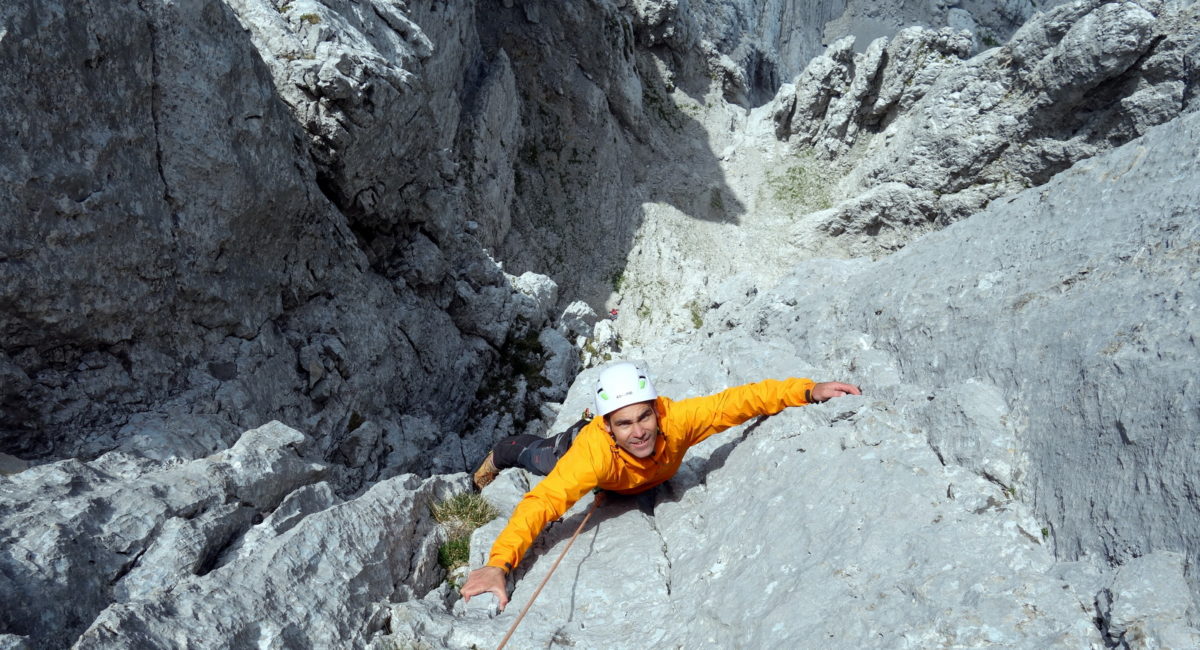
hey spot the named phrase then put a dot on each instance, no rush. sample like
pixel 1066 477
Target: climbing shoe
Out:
pixel 486 473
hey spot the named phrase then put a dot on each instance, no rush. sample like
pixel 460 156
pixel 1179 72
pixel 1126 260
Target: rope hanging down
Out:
pixel 595 502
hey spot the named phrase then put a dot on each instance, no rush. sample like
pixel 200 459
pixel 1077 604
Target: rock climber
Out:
pixel 637 442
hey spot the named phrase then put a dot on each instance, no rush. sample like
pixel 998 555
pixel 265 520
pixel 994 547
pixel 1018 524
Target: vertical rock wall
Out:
pixel 205 228
pixel 152 219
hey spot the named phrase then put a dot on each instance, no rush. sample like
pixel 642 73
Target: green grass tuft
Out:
pixel 697 319
pixel 455 553
pixel 459 516
pixel 618 281
pixel 801 187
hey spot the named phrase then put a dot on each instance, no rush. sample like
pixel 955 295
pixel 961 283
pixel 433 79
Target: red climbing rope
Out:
pixel 595 502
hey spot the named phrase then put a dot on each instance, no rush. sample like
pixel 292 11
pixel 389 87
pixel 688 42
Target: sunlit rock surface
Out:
pixel 979 491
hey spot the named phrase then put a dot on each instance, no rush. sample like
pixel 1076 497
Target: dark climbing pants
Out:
pixel 535 454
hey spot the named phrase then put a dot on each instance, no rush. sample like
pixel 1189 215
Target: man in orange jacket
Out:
pixel 637 443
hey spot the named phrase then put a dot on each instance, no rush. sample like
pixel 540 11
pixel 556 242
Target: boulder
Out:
pixel 313 584
pixel 85 535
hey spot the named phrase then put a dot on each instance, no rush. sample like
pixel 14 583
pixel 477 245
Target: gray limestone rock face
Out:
pixel 1139 606
pixel 360 75
pixel 1023 430
pixel 883 141
pixel 125 208
pixel 561 366
pixel 1069 84
pixel 1074 335
pixel 314 584
pixel 989 22
pixel 577 320
pixel 213 227
pixel 82 536
pixel 249 546
pixel 762 44
pixel 365 218
pixel 493 129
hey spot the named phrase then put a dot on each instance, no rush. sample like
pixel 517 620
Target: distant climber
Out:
pixel 637 443
pixel 612 313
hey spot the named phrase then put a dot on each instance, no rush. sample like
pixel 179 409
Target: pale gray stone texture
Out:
pixel 1019 369
pixel 82 536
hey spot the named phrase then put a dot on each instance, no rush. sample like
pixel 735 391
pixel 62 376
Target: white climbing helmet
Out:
pixel 621 384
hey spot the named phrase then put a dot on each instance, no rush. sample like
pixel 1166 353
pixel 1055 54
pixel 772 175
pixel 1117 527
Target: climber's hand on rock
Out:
pixel 830 389
pixel 485 579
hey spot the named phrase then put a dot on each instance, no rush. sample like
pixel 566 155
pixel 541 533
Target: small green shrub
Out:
pixel 716 202
pixel 527 357
pixel 801 186
pixel 459 516
pixel 311 19
pixel 455 553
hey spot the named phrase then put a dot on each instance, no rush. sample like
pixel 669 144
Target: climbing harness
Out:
pixel 595 502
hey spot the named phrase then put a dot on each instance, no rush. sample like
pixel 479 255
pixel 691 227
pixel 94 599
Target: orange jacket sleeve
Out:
pixel 701 417
pixel 574 474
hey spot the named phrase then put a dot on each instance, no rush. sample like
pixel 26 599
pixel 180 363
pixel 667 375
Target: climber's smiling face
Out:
pixel 635 428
